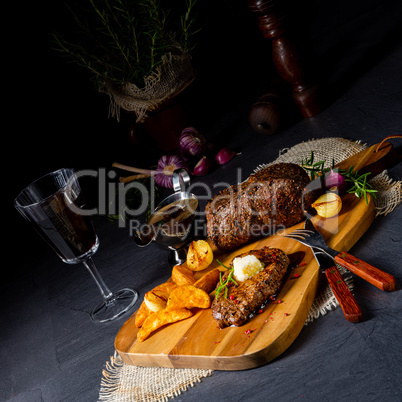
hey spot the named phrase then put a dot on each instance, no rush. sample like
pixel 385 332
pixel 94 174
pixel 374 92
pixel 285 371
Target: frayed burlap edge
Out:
pixel 170 78
pixel 126 383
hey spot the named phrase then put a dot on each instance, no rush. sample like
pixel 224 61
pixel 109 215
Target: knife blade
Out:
pixel 348 303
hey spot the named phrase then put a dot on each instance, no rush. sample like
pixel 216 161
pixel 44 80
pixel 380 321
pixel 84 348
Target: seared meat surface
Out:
pixel 250 295
pixel 268 201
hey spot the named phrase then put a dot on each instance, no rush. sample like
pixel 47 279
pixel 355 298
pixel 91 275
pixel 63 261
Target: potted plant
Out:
pixel 138 52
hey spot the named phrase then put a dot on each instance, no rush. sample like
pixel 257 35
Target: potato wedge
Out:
pixel 166 287
pixel 181 275
pixel 199 255
pixel 142 313
pixel 156 298
pixel 159 319
pixel 188 296
pixel 208 281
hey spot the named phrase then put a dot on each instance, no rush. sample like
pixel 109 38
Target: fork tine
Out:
pixel 295 236
pixel 299 239
pixel 306 231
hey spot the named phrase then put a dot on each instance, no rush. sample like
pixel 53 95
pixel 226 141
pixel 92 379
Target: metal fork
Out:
pixel 311 237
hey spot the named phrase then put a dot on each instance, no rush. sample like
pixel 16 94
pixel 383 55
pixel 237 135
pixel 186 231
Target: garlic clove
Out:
pixel 224 156
pixel 203 167
pixel 335 181
pixel 328 205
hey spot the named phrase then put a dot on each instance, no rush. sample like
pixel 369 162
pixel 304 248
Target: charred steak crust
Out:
pixel 250 295
pixel 271 199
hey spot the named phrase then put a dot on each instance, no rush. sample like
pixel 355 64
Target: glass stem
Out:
pixel 105 291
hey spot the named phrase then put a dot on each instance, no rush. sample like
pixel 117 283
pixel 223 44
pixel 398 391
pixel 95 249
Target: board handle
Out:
pixel 382 280
pixel 348 303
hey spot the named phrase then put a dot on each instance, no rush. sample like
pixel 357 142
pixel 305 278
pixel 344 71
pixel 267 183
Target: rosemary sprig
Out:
pixel 126 40
pixel 315 169
pixel 359 181
pixel 360 186
pixel 188 26
pixel 223 284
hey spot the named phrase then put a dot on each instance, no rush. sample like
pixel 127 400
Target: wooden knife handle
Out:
pixel 373 275
pixel 349 305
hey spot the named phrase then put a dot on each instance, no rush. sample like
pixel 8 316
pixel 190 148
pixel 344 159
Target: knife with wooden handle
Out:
pixel 369 273
pixel 373 275
pixel 348 303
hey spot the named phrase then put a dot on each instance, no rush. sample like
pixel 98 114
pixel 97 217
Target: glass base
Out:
pixel 117 306
pixel 177 257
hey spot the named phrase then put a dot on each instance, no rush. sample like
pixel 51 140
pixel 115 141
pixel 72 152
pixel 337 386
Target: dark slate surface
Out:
pixel 51 351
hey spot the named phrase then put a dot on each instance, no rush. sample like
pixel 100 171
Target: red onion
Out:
pixel 202 167
pixel 163 173
pixel 335 181
pixel 224 156
pixel 191 142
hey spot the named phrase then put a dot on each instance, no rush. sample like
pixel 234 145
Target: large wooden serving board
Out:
pixel 197 342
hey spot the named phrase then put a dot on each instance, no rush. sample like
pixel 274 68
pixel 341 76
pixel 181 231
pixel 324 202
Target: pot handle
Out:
pixel 181 180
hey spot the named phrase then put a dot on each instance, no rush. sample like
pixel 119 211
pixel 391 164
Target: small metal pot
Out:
pixel 171 226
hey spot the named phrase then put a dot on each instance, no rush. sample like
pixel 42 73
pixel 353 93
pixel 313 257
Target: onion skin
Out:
pixel 224 156
pixel 203 167
pixel 191 143
pixel 328 205
pixel 335 181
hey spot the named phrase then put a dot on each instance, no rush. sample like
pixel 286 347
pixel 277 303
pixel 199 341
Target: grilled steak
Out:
pixel 270 200
pixel 250 295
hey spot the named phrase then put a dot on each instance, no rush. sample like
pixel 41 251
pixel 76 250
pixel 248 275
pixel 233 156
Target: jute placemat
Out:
pixel 174 74
pixel 126 383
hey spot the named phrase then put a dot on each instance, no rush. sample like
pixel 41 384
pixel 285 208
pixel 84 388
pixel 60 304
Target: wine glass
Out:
pixel 54 205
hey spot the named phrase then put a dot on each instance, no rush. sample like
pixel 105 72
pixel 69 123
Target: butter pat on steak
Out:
pixel 244 299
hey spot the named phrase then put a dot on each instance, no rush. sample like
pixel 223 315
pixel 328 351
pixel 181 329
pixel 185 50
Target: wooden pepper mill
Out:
pixel 287 59
pixel 265 114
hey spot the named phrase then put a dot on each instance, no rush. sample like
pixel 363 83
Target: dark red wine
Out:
pixel 70 234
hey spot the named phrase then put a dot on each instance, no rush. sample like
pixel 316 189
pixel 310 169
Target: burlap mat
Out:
pixel 126 383
pixel 170 78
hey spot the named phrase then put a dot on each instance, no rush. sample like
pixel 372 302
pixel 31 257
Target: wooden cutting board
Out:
pixel 197 342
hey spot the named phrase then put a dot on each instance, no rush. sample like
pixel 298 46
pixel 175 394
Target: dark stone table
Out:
pixel 51 351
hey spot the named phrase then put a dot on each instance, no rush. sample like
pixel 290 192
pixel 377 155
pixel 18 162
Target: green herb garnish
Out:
pixel 123 41
pixel 223 284
pixel 315 169
pixel 360 186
